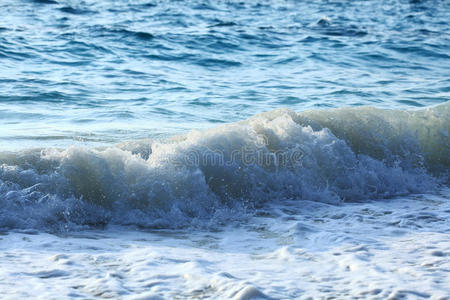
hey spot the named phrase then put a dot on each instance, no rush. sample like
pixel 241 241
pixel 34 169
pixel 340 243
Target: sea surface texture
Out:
pixel 224 149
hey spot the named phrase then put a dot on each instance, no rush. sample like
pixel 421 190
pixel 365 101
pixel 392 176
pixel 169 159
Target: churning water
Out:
pixel 224 149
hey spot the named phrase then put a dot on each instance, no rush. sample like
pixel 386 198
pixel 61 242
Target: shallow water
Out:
pixel 394 249
pixel 224 149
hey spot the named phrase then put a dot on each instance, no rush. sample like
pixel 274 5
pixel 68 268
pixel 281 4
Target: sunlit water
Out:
pixel 98 72
pixel 224 149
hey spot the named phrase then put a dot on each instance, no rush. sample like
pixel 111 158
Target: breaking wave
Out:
pixel 204 177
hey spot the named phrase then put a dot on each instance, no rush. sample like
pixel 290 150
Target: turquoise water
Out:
pixel 224 149
pixel 95 73
pixel 165 114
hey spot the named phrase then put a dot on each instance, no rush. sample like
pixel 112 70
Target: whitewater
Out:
pixel 224 149
pixel 283 205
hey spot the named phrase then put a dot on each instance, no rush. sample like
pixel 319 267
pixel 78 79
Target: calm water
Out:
pixel 101 72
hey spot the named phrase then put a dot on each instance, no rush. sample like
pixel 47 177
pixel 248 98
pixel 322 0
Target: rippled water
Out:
pixel 317 197
pixel 99 72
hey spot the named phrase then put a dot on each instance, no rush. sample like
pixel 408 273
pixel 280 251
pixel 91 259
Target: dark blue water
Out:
pixel 100 72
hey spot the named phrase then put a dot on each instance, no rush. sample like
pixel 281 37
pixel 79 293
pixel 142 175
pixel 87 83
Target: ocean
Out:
pixel 195 149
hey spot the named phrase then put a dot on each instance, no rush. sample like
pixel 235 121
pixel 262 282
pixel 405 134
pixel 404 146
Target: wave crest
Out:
pixel 335 155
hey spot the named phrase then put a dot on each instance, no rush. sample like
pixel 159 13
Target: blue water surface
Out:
pixel 98 72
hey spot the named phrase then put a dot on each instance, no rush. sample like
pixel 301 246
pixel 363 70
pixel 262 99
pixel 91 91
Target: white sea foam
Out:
pixel 329 156
pixel 306 192
pixel 382 249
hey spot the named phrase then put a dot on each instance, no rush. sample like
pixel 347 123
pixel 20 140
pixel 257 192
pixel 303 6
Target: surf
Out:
pixel 223 173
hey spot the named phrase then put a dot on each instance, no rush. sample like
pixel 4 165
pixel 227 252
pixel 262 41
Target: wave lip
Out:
pixel 206 177
pixel 416 137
